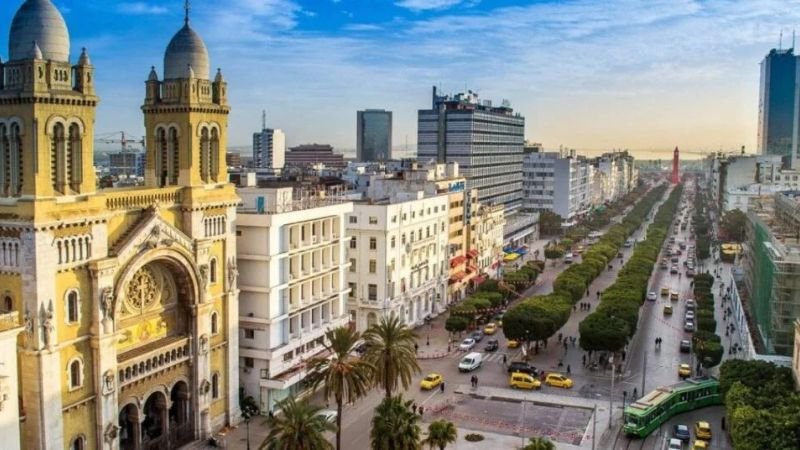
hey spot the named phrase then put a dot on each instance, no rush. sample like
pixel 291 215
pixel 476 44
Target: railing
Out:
pixel 142 198
pixel 9 320
pixel 296 205
pixel 161 355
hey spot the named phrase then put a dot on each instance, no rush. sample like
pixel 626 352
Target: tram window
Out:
pixel 683 397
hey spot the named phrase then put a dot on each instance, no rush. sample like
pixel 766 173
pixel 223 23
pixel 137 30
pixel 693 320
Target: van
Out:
pixel 470 362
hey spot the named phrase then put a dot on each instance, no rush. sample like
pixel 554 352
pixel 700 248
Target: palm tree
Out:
pixel 346 377
pixel 395 426
pixel 299 426
pixel 540 443
pixel 441 433
pixel 391 352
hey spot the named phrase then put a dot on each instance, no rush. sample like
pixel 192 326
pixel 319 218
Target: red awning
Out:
pixel 457 260
pixel 478 280
pixel 472 253
pixel 458 276
pixel 472 268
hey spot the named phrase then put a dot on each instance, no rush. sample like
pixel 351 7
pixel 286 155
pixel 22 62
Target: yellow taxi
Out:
pixel 684 371
pixel 558 380
pixel 513 343
pixel 702 430
pixel 674 296
pixel 700 445
pixel 490 328
pixel 524 381
pixel 431 381
pixel 664 291
pixel 667 310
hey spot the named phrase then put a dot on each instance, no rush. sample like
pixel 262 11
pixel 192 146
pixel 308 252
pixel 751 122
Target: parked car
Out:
pixel 522 367
pixel 690 304
pixel 690 315
pixel 689 326
pixel 492 345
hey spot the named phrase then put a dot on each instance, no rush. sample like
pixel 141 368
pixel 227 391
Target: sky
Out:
pixel 589 75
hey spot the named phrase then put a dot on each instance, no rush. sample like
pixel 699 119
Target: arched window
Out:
pixel 174 167
pixel 215 386
pixel 8 303
pixel 5 162
pixel 162 157
pixel 79 443
pixel 215 160
pixel 213 269
pixel 205 155
pixel 58 163
pixel 75 374
pixel 75 158
pixel 15 150
pixel 214 323
pixel 73 307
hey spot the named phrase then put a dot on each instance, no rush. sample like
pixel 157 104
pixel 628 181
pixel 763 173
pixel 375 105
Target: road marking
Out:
pixel 429 397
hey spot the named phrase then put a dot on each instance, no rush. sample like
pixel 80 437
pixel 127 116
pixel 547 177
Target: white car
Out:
pixel 467 344
pixel 688 326
pixel 652 296
pixel 675 444
pixel 328 414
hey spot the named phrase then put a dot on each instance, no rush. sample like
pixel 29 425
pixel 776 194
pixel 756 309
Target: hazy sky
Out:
pixel 647 74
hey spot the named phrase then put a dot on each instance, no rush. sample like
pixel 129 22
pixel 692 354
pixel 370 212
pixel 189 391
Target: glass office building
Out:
pixel 486 141
pixel 374 140
pixel 776 109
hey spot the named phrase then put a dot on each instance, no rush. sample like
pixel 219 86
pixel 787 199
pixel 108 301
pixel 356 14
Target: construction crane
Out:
pixel 124 140
pixel 127 161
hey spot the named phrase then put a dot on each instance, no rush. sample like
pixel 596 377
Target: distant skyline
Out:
pixel 590 75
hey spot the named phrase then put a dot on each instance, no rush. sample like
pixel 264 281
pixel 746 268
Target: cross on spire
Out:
pixel 186 8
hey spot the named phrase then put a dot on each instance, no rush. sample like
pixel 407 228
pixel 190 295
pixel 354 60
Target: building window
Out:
pixel 75 374
pixel 249 363
pixel 353 219
pixel 215 386
pixel 352 264
pixel 79 443
pixel 214 324
pixel 212 267
pixel 354 242
pixel 8 303
pixel 373 243
pixel 403 239
pixel 373 266
pixel 249 333
pixel 373 220
pixel 393 241
pixel 394 219
pixel 73 306
pixel 287 357
pixel 372 291
pixel 352 292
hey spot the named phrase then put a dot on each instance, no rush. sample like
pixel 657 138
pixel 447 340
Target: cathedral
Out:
pixel 127 297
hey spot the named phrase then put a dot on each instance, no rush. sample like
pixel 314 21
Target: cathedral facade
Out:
pixel 127 297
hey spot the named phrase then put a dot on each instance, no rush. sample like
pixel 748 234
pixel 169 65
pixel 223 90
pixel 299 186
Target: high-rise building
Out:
pixel 374 135
pixel 127 296
pixel 777 117
pixel 486 141
pixel 269 148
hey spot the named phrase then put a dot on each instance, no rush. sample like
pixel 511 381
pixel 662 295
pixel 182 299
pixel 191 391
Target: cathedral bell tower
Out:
pixel 186 117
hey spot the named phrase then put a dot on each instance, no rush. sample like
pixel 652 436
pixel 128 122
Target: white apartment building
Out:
pixel 615 175
pixel 269 149
pixel 552 181
pixel 485 237
pixel 292 268
pixel 398 259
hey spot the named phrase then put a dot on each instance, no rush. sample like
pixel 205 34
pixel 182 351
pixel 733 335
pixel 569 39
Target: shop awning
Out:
pixel 472 269
pixel 472 253
pixel 478 280
pixel 458 276
pixel 521 251
pixel 511 256
pixel 457 260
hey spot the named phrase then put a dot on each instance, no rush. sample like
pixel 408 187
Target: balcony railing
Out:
pixel 152 358
pixel 141 198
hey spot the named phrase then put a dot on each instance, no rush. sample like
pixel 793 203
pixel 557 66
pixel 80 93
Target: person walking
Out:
pixel 504 359
pixel 568 369
pixel 583 359
pixel 441 387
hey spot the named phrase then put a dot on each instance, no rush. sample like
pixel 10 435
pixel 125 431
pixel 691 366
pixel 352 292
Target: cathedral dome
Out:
pixel 38 21
pixel 186 49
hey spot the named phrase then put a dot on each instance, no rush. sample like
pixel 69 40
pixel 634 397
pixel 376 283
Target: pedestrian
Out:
pixel 414 407
pixel 560 363
pixel 574 307
pixel 634 392
pixel 723 422
pixel 583 359
pixel 271 415
pixel 559 337
pixel 623 355
pixel 416 347
pixel 568 369
pixel 448 348
pixel 441 387
pixel 476 381
pixel 504 359
pixel 565 345
pixel 421 411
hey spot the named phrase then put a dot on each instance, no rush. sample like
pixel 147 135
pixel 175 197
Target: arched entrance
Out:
pixel 129 434
pixel 154 426
pixel 372 319
pixel 180 417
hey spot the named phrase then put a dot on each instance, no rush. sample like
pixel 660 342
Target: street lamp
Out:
pixel 248 411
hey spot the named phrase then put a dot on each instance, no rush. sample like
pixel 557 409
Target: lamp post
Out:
pixel 611 397
pixel 248 411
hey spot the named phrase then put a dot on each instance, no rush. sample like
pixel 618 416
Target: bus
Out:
pixel 649 412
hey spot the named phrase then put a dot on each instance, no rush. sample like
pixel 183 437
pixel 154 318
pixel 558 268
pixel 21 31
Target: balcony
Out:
pixel 153 358
pixel 9 321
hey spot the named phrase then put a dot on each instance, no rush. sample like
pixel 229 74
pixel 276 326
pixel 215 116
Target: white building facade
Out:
pixel 292 279
pixel 397 258
pixel 558 183
pixel 269 149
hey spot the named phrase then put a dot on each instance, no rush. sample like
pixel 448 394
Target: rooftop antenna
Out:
pixel 263 119
pixel 186 8
pixel 793 39
pixel 780 40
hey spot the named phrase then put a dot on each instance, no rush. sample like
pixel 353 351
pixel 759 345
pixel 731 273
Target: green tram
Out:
pixel 649 412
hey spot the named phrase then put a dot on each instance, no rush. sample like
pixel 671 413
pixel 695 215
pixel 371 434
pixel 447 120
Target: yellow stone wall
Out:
pixel 66 281
pixel 80 421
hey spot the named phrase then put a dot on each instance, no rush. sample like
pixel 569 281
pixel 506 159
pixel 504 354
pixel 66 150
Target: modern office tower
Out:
pixel 292 276
pixel 311 155
pixel 127 297
pixel 486 141
pixel 559 183
pixel 269 148
pixel 777 107
pixel 374 135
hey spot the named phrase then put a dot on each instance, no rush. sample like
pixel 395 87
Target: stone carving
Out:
pixel 142 290
pixel 109 382
pixel 48 328
pixel 110 434
pixel 204 274
pixel 204 344
pixel 28 322
pixel 107 302
pixel 204 387
pixel 233 273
